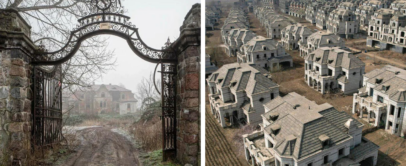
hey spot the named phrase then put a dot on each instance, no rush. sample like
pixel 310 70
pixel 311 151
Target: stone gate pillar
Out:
pixel 16 50
pixel 188 87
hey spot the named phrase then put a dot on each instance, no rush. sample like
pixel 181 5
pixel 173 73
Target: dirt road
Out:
pixel 101 146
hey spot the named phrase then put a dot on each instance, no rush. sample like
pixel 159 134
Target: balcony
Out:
pixel 369 103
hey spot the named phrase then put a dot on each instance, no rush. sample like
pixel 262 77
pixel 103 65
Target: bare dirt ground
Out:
pixel 220 143
pixel 100 146
pixel 255 25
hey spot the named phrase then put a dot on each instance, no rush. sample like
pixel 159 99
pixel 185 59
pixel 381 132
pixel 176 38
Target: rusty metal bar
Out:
pixel 47 107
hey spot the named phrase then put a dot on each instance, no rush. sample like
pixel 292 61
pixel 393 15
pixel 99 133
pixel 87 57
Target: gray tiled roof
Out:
pixel 335 57
pixel 246 78
pixel 304 121
pixel 364 148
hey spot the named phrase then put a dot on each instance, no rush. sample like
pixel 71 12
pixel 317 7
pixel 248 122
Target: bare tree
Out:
pixel 52 21
pixel 146 92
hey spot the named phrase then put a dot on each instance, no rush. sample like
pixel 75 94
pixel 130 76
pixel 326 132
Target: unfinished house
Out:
pixel 320 39
pixel 364 14
pixel 275 26
pixel 399 6
pixel 347 5
pixel 382 100
pixel 284 5
pixel 298 132
pixel 297 9
pixel 322 16
pixel 266 53
pixel 343 22
pixel 331 69
pixel 294 34
pixel 311 11
pixel 387 30
pixel 97 99
pixel 236 38
pixel 227 27
pixel 237 92
pixel 378 4
pixel 210 66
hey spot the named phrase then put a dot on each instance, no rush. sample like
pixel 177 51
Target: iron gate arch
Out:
pixel 107 17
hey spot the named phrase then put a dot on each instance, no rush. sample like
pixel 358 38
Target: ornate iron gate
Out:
pixel 105 17
pixel 47 106
pixel 168 78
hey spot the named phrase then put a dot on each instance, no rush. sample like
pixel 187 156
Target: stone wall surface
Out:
pixel 188 136
pixel 15 107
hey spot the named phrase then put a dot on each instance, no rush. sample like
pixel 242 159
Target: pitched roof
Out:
pixel 243 77
pixel 301 122
pixel 335 57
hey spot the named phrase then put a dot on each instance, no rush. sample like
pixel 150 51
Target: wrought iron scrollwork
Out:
pixel 106 17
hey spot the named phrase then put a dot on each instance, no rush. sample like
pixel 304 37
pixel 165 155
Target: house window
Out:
pixel 264 55
pixel 317 68
pixel 402 34
pixel 399 111
pixel 257 56
pixel 310 164
pixel 371 92
pixel 344 73
pixel 128 106
pixel 272 96
pixel 330 72
pixel 341 152
pixel 122 96
pixel 380 99
pixel 272 54
pixel 392 110
pixel 325 160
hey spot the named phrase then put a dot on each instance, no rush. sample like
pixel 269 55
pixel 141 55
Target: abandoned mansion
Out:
pixel 97 99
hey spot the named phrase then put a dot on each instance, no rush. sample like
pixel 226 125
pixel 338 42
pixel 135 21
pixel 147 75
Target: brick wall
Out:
pixel 188 136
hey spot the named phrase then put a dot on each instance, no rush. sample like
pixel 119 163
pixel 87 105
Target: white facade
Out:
pixel 382 99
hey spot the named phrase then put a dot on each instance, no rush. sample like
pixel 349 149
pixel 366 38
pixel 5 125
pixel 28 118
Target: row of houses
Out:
pixel 213 12
pixel 250 48
pixel 271 21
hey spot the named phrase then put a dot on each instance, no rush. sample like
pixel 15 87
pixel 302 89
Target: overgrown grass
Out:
pixel 155 158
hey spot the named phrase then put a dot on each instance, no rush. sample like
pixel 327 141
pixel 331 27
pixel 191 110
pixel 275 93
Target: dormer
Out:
pixel 273 116
pixel 385 87
pixel 220 80
pixel 233 83
pixel 378 80
pixel 275 128
pixel 324 140
pixel 264 48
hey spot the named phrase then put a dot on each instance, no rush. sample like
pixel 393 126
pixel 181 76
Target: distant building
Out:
pixel 102 98
pixel 322 16
pixel 264 52
pixel 343 22
pixel 320 39
pixel 294 34
pixel 387 29
pixel 298 132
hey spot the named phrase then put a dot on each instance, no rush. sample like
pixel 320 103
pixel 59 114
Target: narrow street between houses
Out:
pixel 102 146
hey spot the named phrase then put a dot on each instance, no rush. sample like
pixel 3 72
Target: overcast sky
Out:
pixel 156 20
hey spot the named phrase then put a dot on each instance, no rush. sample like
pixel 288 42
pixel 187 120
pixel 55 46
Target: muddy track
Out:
pixel 218 150
pixel 101 146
